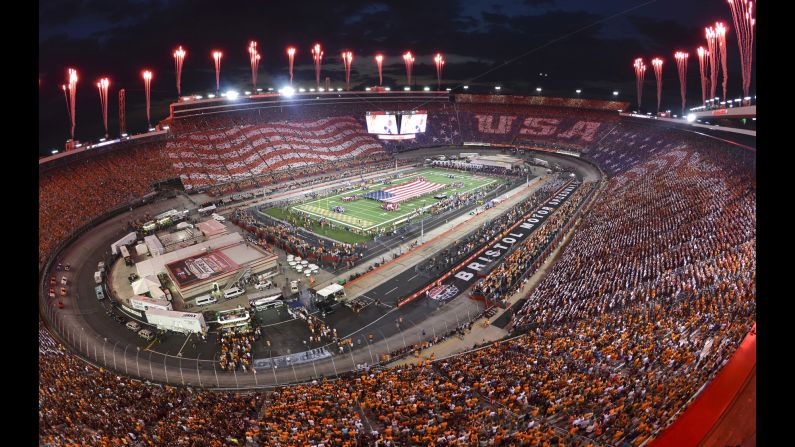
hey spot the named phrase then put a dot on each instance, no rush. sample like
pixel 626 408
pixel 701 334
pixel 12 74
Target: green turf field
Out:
pixel 366 215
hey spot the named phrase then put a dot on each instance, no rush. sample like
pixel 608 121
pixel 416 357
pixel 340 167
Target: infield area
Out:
pixel 365 216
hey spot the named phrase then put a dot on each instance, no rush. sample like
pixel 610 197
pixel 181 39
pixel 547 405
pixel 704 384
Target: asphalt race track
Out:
pixel 188 360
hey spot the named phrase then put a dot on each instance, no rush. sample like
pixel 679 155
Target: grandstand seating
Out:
pixel 650 296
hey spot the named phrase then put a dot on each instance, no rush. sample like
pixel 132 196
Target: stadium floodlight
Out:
pixel 321 89
pixel 302 90
pixel 753 119
pixel 737 100
pixel 747 98
pixel 339 89
pixel 367 89
pixel 270 89
pixel 447 89
pixel 619 110
pixel 232 95
pixel 247 92
pixel 101 140
pixel 55 151
pixel 311 90
pixel 211 96
pixel 466 87
pixel 497 87
pixel 152 129
pixel 615 92
pixel 287 91
pixel 166 127
pixel 578 91
pixel 538 89
pixel 124 135
pixel 676 116
pixel 691 117
pixel 186 98
pixel 426 89
pixel 260 89
pixel 405 89
pixel 198 97
pixel 387 89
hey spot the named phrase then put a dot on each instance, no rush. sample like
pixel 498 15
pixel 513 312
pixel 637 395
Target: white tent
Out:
pixel 145 284
pixel 330 290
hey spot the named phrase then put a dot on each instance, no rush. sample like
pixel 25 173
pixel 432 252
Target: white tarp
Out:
pixel 329 290
pixel 143 285
pixel 126 240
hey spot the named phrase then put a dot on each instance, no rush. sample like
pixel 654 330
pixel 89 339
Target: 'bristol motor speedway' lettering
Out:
pixel 484 260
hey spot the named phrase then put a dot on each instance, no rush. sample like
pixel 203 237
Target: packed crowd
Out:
pixel 489 230
pixel 648 300
pixel 75 194
pixel 285 236
pixel 235 350
pixel 510 274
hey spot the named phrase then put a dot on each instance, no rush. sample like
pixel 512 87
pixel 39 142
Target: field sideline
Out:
pixel 367 214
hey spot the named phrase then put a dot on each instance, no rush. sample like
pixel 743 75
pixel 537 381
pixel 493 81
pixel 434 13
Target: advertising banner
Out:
pixel 480 263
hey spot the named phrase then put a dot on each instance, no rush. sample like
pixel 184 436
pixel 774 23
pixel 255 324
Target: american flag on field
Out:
pixel 406 191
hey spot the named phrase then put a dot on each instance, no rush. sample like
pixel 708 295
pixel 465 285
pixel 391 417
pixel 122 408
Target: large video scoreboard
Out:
pixel 396 125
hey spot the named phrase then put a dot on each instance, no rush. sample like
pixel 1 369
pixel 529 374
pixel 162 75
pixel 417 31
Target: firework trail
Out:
pixel 720 30
pixel 254 57
pixel 291 58
pixel 179 58
pixel 640 74
pixel 347 58
pixel 217 55
pixel 744 21
pixel 714 59
pixel 408 59
pixel 317 58
pixel 439 60
pixel 657 64
pixel 102 85
pixel 379 60
pixel 681 67
pixel 703 66
pixel 147 75
pixel 72 89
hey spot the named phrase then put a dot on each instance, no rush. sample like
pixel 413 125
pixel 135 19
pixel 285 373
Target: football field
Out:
pixel 365 215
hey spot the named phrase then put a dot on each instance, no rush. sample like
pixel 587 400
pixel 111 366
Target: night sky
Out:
pixel 572 44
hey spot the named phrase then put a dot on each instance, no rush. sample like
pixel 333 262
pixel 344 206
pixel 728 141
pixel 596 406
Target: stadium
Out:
pixel 400 267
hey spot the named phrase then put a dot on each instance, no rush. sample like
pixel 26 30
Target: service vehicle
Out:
pixel 184 322
pixel 233 293
pixel 263 285
pixel 98 277
pixel 146 334
pixel 100 293
pixel 294 286
pixel 205 299
pixel 133 326
pixel 145 303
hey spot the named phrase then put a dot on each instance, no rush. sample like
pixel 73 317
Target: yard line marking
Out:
pixel 391 291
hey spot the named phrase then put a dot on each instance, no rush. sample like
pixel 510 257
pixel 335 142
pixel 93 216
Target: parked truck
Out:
pixel 185 322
